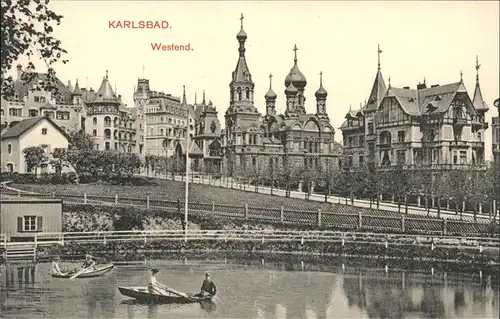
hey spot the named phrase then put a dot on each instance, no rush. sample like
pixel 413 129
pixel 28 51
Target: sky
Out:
pixel 431 40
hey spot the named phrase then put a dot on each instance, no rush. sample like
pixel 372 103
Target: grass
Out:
pixel 198 193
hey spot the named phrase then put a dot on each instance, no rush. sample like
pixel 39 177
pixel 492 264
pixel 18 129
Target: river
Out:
pixel 259 290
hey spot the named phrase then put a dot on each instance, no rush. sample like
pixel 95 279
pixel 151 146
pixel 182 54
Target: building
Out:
pixel 495 127
pixel 101 114
pixel 297 138
pixel 207 137
pixel 112 124
pixel 163 120
pixel 437 125
pixel 22 219
pixel 31 100
pixel 37 131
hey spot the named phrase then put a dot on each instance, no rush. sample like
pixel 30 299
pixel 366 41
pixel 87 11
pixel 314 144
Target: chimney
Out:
pixel 119 97
pixel 406 87
pixel 435 85
pixel 70 87
pixel 421 86
pixel 19 71
pixel 91 89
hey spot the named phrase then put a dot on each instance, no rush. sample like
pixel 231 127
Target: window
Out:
pixel 94 120
pixel 401 136
pixel 33 113
pixel 361 160
pixel 94 133
pixel 49 114
pixel 463 157
pixel 370 128
pixel 29 223
pixel 44 131
pixel 107 146
pixel 361 141
pixel 401 157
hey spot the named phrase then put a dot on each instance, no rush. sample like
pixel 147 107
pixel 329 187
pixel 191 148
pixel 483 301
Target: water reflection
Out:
pixel 265 291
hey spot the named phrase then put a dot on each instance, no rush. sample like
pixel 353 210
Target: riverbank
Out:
pixel 127 251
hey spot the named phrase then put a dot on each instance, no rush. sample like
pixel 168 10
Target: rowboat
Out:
pixel 141 294
pixel 98 271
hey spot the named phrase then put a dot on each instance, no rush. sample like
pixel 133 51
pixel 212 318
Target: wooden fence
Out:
pixel 365 219
pixel 263 236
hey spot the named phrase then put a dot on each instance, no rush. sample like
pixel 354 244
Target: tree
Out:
pixel 60 156
pixel 401 185
pixel 34 156
pixel 330 175
pixel 81 141
pixel 27 26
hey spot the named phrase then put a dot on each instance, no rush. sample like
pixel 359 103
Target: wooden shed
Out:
pixel 21 219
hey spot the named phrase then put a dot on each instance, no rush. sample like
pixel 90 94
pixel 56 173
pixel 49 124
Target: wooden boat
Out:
pixel 141 294
pixel 98 271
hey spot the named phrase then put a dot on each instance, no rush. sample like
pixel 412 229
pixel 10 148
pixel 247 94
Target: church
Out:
pixel 296 138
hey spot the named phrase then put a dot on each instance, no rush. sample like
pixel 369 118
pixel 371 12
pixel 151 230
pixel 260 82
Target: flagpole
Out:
pixel 187 178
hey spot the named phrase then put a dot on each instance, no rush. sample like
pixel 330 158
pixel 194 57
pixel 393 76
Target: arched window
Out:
pixel 107 121
pixel 162 119
pixel 10 168
pixel 247 91
pixel 94 120
pixel 254 162
pixel 107 133
pixel 479 136
pixel 239 94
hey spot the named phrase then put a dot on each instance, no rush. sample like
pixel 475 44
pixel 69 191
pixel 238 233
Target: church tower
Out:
pixel 270 98
pixel 242 112
pixel 296 79
pixel 321 95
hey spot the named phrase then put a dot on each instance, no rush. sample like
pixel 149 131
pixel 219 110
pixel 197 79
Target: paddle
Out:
pixel 178 293
pixel 79 273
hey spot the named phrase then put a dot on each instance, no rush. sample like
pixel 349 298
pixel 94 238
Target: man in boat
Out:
pixel 88 263
pixel 55 267
pixel 208 287
pixel 155 287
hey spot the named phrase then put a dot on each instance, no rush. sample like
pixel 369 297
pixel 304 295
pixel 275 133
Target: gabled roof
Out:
pixel 22 87
pixel 105 93
pixel 377 93
pixel 25 125
pixel 478 101
pixel 193 148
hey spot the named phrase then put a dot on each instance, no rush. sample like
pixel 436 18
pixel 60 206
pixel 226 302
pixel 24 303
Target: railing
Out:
pixel 343 218
pixel 263 236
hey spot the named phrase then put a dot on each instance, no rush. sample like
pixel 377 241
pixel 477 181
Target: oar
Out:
pixel 178 293
pixel 78 273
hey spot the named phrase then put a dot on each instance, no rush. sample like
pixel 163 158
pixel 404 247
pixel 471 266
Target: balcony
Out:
pixel 459 122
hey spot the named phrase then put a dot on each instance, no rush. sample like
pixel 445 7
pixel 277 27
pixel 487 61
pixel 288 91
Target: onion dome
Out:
pixel 295 76
pixel 242 34
pixel 270 95
pixel 291 89
pixel 321 92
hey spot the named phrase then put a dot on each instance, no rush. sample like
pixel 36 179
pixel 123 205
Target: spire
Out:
pixel 321 92
pixel 105 93
pixel 390 82
pixel 295 49
pixel 195 98
pixel 377 93
pixel 270 95
pixel 478 66
pixel 295 76
pixel 378 53
pixel 461 76
pixel 478 101
pixel 241 36
pixel 77 90
pixel 203 102
pixel 184 95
